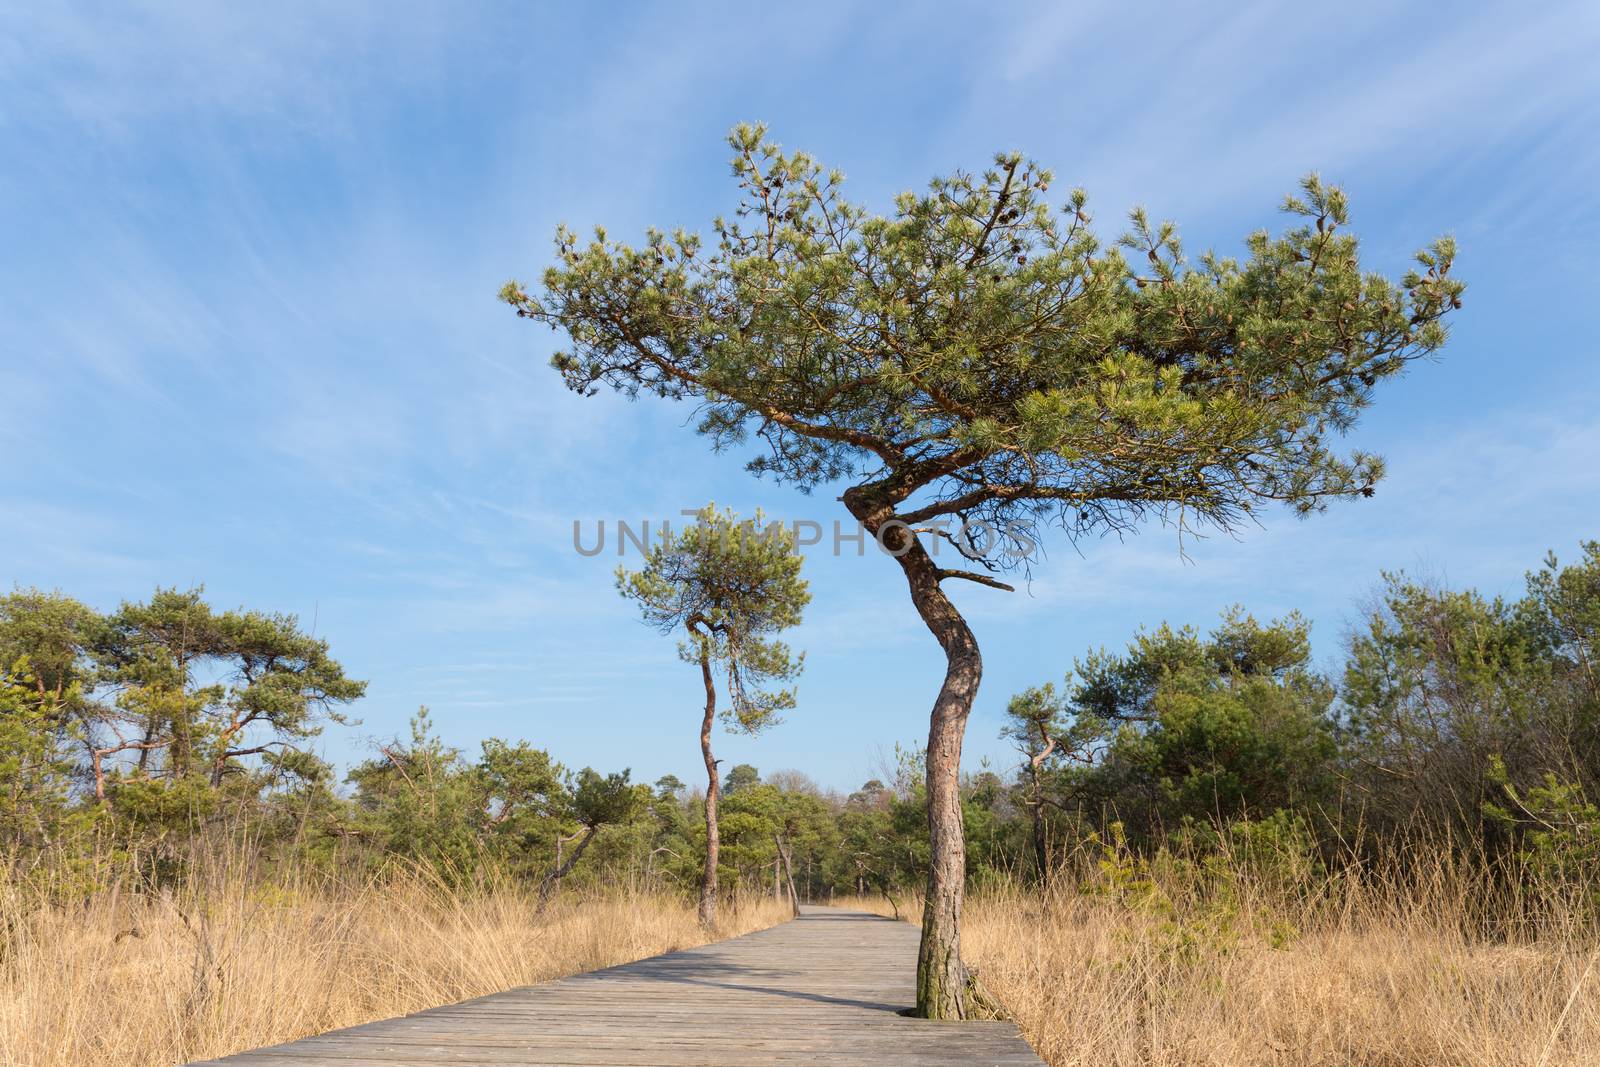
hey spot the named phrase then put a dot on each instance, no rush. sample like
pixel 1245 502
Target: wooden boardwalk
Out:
pixel 822 989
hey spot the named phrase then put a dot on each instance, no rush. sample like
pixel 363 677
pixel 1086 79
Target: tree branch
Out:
pixel 981 579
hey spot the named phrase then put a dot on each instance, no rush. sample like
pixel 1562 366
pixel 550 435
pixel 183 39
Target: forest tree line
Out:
pixel 1454 720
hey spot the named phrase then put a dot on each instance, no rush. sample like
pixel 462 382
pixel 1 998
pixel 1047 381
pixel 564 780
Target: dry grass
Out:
pixel 233 961
pixel 1107 969
pixel 1361 975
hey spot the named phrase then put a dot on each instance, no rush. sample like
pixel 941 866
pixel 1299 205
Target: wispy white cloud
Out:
pixel 113 68
pixel 1195 109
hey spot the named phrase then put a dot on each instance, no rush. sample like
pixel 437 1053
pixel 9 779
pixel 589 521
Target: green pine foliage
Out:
pixel 981 344
pixel 729 587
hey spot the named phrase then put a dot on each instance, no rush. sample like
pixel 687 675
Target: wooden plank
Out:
pixel 824 988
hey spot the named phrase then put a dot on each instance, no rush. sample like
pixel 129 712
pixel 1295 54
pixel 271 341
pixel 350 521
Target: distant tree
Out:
pixel 150 659
pixel 192 691
pixel 882 840
pixel 670 833
pixel 35 763
pixel 977 359
pixel 46 676
pixel 525 800
pixel 1562 609
pixel 284 687
pixel 1035 724
pixel 159 708
pixel 985 813
pixel 740 776
pixel 595 802
pixel 806 830
pixel 790 780
pixel 872 794
pixel 750 821
pixel 1451 698
pixel 1208 728
pixel 729 588
pixel 420 799
pixel 57 635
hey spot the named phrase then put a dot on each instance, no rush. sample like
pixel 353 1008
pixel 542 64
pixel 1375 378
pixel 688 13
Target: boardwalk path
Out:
pixel 822 989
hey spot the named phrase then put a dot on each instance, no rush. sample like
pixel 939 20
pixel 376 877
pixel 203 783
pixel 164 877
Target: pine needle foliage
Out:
pixel 981 349
pixel 730 587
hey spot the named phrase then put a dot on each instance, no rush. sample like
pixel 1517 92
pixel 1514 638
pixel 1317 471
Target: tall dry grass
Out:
pixel 1442 968
pixel 230 959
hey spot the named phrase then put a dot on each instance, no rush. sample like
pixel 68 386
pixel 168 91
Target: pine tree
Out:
pixel 729 588
pixel 976 363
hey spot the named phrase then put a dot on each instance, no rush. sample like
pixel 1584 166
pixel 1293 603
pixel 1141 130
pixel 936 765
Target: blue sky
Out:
pixel 248 335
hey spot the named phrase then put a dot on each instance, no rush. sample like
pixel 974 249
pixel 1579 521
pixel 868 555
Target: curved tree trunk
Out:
pixel 547 887
pixel 942 981
pixel 708 881
pixel 941 976
pixel 788 870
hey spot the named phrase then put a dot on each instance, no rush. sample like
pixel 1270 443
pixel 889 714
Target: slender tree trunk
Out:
pixel 941 976
pixel 96 761
pixel 547 887
pixel 561 844
pixel 144 753
pixel 788 870
pixel 708 881
pixel 1041 853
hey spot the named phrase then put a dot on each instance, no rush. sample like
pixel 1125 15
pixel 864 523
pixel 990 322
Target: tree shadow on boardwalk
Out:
pixel 699 967
pixel 819 998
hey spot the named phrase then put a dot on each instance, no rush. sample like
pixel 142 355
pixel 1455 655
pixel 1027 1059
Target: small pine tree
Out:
pixel 729 588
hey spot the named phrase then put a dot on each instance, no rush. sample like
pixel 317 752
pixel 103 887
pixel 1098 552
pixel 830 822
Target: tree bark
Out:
pixel 942 980
pixel 708 881
pixel 96 761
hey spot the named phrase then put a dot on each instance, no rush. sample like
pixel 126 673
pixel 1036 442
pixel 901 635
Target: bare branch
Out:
pixel 981 579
